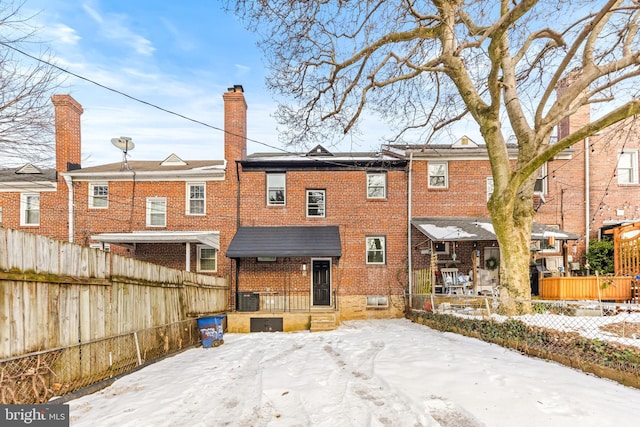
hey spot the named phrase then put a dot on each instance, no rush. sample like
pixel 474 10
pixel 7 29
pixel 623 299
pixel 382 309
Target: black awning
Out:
pixel 286 241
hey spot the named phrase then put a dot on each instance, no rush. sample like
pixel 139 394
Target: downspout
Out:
pixel 69 182
pixel 409 243
pixel 237 260
pixel 587 191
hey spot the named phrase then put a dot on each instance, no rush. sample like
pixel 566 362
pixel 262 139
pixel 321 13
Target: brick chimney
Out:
pixel 578 119
pixel 68 140
pixel 235 125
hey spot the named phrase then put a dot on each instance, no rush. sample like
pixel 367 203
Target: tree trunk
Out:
pixel 512 225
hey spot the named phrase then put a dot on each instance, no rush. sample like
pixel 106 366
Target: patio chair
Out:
pixel 453 281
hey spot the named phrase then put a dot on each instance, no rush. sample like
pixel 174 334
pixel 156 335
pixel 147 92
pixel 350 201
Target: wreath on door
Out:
pixel 491 263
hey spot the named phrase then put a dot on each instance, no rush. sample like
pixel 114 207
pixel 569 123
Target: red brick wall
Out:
pixel 466 194
pixel 346 206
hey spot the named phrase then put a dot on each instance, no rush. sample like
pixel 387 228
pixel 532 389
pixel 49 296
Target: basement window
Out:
pixel 377 301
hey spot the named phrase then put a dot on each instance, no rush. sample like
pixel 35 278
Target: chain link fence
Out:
pixel 600 338
pixel 39 376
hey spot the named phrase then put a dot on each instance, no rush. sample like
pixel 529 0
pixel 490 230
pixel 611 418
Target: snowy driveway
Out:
pixel 366 373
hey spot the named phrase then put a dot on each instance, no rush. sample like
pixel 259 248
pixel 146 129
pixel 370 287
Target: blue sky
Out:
pixel 181 56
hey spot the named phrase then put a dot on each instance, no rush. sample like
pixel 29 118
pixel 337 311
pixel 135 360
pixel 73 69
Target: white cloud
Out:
pixel 63 34
pixel 242 69
pixel 113 27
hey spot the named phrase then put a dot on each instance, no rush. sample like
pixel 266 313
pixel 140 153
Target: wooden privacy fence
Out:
pixel 595 288
pixel 55 294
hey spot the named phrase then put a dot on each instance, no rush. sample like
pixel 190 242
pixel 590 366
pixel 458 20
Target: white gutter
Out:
pixel 69 181
pixel 587 221
pixel 409 243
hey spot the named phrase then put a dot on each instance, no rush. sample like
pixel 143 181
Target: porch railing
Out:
pixel 280 301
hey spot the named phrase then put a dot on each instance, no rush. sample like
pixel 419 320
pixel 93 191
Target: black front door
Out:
pixel 321 282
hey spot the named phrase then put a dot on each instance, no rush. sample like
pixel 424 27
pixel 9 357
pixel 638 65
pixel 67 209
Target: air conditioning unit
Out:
pixel 248 301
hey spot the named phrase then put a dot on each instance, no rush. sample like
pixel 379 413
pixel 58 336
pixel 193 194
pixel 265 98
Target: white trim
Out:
pixel 188 198
pixel 446 174
pixel 383 240
pixel 92 197
pixel 150 202
pixel 633 167
pixel 384 185
pixel 322 208
pixel 284 188
pixel 23 209
pixel 215 258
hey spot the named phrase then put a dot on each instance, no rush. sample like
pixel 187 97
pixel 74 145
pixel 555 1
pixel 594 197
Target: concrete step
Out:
pixel 323 322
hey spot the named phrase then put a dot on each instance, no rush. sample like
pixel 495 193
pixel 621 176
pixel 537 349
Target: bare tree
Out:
pixel 26 85
pixel 427 64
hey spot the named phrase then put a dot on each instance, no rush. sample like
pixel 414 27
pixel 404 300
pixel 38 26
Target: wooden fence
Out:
pixel 55 294
pixel 586 288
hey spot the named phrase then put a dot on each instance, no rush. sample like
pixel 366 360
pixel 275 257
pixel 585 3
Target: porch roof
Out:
pixel 450 229
pixel 285 241
pixel 209 238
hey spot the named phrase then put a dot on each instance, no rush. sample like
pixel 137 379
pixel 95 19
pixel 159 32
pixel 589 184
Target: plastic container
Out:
pixel 211 331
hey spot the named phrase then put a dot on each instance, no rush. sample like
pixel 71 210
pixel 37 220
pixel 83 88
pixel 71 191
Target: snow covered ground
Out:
pixel 366 373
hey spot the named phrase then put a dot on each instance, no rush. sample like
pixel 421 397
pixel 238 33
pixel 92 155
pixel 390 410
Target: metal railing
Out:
pixel 277 301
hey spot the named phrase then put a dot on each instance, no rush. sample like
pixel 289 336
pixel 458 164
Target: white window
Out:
pixel 196 199
pixel 276 189
pixel 489 187
pixel 376 185
pixel 438 175
pixel 207 258
pixel 375 250
pixel 156 212
pixel 377 301
pixel 99 195
pixel 628 167
pixel 0 216
pixel 315 203
pixel 30 209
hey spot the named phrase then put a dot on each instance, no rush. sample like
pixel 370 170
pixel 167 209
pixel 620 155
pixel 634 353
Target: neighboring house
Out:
pixel 174 212
pixel 451 231
pixel 322 231
pixel 34 198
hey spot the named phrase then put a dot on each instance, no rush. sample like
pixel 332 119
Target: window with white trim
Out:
pixel 375 250
pixel 156 212
pixel 207 258
pixel 196 199
pixel 376 185
pixel 489 187
pixel 315 203
pixel 628 167
pixel 541 181
pixel 438 175
pixel 98 195
pixel 276 189
pixel 30 209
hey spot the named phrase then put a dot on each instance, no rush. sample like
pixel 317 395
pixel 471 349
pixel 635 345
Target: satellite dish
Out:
pixel 125 144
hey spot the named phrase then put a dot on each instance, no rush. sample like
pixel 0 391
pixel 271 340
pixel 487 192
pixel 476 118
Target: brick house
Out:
pixel 35 198
pixel 321 232
pixel 451 230
pixel 174 212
